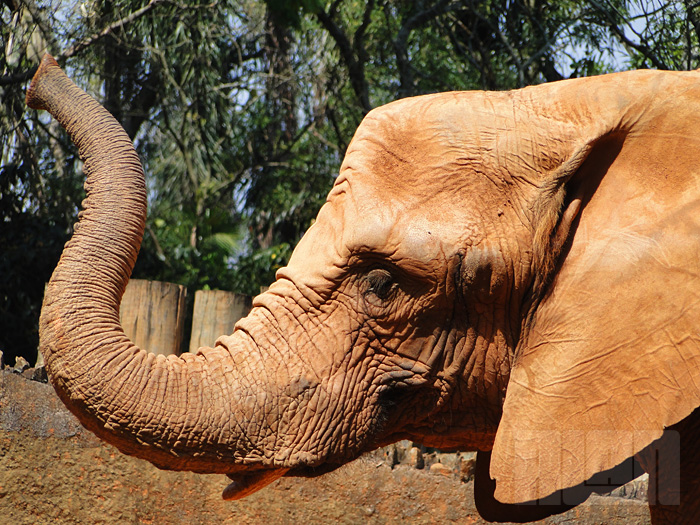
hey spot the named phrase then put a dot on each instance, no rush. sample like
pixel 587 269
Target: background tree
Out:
pixel 242 111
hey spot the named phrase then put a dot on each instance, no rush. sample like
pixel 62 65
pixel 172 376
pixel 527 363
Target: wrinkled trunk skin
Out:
pixel 173 411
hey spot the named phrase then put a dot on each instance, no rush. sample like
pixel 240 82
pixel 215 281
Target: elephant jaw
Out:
pixel 246 484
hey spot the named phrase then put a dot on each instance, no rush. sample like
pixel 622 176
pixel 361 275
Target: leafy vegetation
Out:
pixel 242 111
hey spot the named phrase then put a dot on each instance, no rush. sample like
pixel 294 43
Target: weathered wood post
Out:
pixel 215 313
pixel 153 315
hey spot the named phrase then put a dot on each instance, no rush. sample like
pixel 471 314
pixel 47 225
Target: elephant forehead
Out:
pixel 347 226
pixel 406 237
pixel 426 221
pixel 410 226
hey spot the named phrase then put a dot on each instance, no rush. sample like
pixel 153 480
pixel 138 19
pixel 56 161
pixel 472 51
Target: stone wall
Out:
pixel 54 471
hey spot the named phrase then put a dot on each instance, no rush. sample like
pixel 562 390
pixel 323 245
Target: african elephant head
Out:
pixel 515 272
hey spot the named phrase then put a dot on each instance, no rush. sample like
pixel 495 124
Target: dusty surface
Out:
pixel 53 471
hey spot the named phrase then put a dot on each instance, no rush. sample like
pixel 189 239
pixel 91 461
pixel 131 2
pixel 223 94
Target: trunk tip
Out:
pixel 33 98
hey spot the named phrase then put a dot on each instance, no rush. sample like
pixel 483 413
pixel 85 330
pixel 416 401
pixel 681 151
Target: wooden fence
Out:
pixel 154 315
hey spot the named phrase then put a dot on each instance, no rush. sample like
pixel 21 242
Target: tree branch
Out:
pixel 355 67
pixel 18 78
pixel 639 47
pixel 401 42
pixel 77 48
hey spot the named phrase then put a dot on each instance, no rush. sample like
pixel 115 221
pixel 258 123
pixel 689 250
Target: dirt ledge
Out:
pixel 54 471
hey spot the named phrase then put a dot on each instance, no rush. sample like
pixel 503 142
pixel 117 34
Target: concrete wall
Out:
pixel 54 471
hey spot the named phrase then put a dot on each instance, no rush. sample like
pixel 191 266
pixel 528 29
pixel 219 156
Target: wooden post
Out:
pixel 153 315
pixel 215 313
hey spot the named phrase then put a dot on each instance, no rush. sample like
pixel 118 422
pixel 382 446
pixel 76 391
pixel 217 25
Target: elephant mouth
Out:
pixel 245 484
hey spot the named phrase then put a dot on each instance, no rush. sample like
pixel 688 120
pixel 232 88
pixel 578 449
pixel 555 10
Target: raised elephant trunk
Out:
pixel 173 411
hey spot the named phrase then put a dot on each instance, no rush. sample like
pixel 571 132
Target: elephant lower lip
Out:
pixel 246 484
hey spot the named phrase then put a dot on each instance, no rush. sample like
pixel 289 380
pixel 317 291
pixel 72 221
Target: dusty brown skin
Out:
pixel 516 272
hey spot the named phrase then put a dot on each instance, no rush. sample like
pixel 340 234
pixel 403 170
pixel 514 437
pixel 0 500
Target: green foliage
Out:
pixel 242 111
pixel 31 241
pixel 265 262
pixel 289 13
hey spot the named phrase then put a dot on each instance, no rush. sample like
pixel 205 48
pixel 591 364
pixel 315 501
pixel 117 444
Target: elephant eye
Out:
pixel 380 284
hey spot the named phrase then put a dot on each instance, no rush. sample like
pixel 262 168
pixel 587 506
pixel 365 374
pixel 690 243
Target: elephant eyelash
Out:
pixel 380 286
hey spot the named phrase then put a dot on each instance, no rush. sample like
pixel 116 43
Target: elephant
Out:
pixel 514 272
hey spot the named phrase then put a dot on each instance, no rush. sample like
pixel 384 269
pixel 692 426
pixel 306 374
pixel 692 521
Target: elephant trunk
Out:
pixel 176 412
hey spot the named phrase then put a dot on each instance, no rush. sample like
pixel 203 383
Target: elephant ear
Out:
pixel 611 353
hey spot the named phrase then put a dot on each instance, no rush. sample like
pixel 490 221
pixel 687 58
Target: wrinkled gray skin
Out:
pixel 404 310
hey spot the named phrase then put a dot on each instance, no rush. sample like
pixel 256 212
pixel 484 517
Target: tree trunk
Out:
pixel 215 313
pixel 152 315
